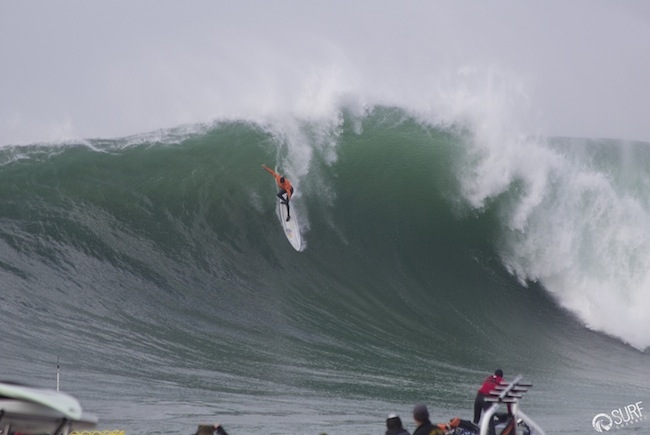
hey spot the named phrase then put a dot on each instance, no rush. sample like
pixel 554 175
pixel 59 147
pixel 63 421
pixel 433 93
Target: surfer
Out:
pixel 284 185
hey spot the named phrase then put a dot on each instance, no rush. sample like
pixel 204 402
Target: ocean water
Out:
pixel 155 269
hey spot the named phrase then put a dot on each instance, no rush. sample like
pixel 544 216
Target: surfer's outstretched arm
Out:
pixel 270 171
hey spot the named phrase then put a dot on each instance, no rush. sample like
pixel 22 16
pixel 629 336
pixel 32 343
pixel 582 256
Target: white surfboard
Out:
pixel 291 228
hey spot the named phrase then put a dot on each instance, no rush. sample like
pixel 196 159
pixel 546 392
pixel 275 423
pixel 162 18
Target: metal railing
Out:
pixel 509 393
pixel 99 432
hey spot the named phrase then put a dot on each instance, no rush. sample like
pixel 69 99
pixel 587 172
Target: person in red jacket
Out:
pixel 285 188
pixel 489 383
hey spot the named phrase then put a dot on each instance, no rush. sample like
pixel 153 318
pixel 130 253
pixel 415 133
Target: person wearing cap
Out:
pixel 394 426
pixel 424 425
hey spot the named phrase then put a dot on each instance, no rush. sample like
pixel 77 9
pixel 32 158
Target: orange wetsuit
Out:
pixel 285 187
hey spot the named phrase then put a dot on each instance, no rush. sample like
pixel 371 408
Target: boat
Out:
pixel 514 421
pixel 28 410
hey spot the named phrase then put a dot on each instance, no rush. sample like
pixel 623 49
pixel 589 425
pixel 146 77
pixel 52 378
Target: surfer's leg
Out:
pixel 288 215
pixel 478 408
pixel 279 195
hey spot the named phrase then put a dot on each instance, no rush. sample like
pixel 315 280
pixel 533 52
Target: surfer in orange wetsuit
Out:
pixel 285 187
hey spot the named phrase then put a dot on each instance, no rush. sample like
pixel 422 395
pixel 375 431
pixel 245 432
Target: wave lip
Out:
pixel 576 224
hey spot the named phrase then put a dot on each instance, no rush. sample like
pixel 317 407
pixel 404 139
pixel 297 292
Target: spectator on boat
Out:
pixel 424 425
pixel 214 429
pixel 488 385
pixel 460 427
pixel 394 426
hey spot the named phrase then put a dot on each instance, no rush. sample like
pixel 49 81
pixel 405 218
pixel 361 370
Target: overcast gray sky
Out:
pixel 79 68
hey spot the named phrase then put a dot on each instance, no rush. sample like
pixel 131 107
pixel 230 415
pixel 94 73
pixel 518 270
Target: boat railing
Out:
pixel 509 394
pixel 98 432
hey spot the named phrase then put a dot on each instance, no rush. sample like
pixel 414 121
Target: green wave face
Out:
pixel 430 260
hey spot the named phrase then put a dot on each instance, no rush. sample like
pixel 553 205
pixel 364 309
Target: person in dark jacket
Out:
pixel 394 426
pixel 213 429
pixel 424 425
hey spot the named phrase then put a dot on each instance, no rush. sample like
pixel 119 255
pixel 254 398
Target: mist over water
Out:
pixel 72 75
